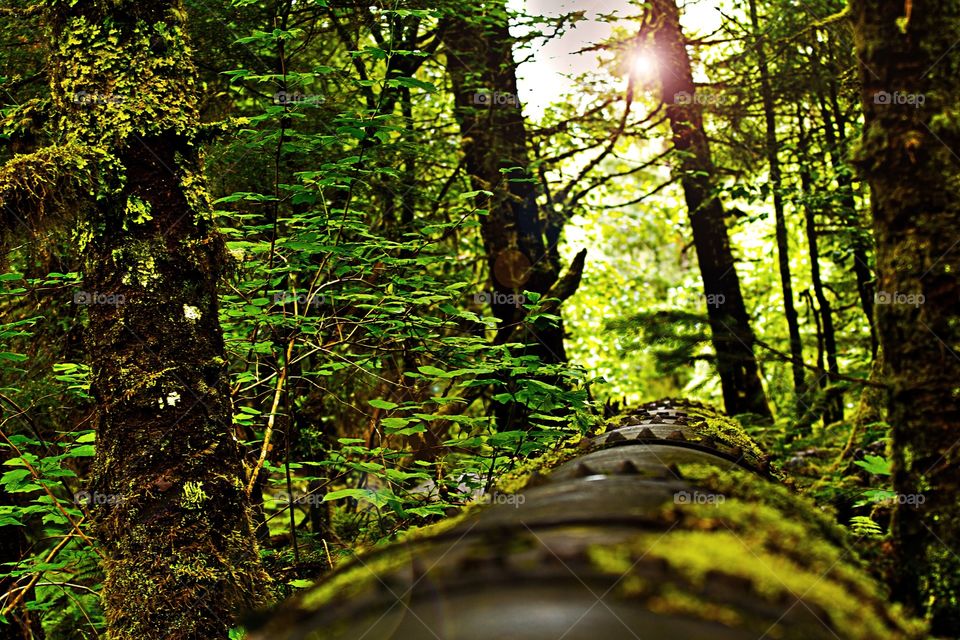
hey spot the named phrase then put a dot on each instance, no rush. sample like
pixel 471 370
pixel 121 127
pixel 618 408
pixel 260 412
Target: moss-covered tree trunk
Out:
pixel 733 338
pixel 174 518
pixel 911 80
pixel 671 515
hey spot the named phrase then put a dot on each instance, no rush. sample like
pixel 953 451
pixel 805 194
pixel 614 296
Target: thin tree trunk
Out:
pixel 174 520
pixel 834 404
pixel 733 337
pixel 909 62
pixel 837 145
pixel 783 245
pixel 861 244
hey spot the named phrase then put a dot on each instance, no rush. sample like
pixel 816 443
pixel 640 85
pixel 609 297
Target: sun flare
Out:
pixel 643 65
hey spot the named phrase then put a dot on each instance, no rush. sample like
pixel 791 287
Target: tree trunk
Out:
pixel 173 517
pixel 910 83
pixel 783 246
pixel 861 242
pixel 835 138
pixel 834 405
pixel 733 337
pixel 479 59
pixel 521 249
pixel 668 544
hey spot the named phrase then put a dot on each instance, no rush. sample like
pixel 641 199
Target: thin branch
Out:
pixel 641 198
pixel 33 581
pixel 271 420
pixel 820 370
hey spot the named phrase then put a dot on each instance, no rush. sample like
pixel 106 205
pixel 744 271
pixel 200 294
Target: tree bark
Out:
pixel 776 186
pixel 173 516
pixel 908 155
pixel 479 59
pixel 834 405
pixel 733 337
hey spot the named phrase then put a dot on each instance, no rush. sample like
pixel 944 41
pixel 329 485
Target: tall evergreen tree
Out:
pixel 733 338
pixel 776 187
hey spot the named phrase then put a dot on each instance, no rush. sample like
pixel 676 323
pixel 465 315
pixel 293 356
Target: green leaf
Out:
pixel 864 526
pixel 411 83
pixel 83 451
pixel 383 404
pixel 470 194
pixel 359 494
pixel 877 465
pixel 14 476
pixel 300 584
pixel 874 496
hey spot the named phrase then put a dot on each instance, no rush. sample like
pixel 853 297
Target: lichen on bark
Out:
pixel 181 557
pixel 911 77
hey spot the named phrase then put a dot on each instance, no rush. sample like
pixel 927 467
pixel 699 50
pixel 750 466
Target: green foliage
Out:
pixel 863 526
pixel 877 465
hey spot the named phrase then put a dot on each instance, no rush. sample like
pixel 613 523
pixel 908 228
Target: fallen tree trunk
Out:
pixel 670 524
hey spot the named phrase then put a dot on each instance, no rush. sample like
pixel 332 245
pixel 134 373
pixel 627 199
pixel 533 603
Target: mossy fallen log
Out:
pixel 671 524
